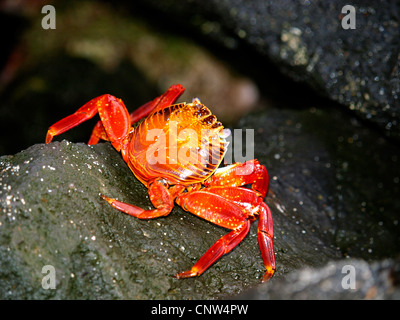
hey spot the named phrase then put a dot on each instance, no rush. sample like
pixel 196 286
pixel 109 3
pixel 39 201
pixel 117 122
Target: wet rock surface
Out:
pixel 378 280
pixel 325 208
pixel 339 181
pixel 334 178
pixel 52 214
pixel 358 68
pixel 333 175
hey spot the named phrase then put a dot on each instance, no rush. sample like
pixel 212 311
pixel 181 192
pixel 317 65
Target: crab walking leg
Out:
pixel 239 174
pixel 222 212
pixel 84 113
pixel 114 119
pixel 254 206
pixel 160 196
pixel 98 133
pixel 265 235
pixel 217 250
pixel 167 98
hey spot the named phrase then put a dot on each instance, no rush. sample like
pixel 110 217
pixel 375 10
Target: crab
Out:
pixel 155 141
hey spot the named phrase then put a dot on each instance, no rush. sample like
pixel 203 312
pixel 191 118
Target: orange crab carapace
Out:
pixel 175 151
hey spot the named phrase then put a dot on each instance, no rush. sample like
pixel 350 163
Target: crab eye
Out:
pixel 196 101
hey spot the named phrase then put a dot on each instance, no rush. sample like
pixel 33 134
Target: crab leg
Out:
pixel 166 99
pixel 230 207
pixel 239 174
pixel 84 113
pixel 265 235
pixel 218 210
pixel 114 118
pixel 248 199
pixel 160 196
pixel 217 250
pixel 98 133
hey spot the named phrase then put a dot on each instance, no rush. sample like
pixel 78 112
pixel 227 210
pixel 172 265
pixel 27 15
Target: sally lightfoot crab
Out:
pixel 175 151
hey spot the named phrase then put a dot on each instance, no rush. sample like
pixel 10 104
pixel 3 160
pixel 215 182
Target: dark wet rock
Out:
pixel 340 280
pixel 332 195
pixel 334 182
pixel 358 68
pixel 338 180
pixel 52 214
pixel 333 176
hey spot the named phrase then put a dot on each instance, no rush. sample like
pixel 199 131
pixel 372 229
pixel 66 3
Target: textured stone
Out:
pixel 378 280
pixel 324 205
pixel 358 68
